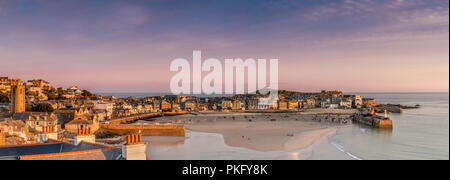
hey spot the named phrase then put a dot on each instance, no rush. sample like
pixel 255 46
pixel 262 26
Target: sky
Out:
pixel 127 46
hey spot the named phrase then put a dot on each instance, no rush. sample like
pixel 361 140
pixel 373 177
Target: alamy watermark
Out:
pixel 217 82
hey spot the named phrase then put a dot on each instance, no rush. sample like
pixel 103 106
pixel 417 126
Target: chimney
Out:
pixel 134 149
pixel 84 134
pixel 48 132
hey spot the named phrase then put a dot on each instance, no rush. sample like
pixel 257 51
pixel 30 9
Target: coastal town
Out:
pixel 39 121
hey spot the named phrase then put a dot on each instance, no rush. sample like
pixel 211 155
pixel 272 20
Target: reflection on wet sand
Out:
pixel 207 146
pixel 385 133
pixel 164 140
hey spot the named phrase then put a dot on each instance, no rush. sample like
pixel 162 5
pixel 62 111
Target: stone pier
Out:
pixel 146 129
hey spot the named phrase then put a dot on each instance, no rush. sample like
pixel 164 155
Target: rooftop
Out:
pixel 60 150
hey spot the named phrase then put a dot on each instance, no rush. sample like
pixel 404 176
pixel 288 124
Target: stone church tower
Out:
pixel 18 98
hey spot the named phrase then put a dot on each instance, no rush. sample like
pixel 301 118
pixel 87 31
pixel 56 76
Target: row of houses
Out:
pixel 324 99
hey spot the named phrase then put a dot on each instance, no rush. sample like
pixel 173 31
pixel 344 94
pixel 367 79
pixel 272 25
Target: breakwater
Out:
pixel 374 121
pixel 146 129
pixel 133 118
pixel 122 125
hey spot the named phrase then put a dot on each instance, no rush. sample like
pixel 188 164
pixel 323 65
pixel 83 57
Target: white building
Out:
pixel 357 100
pixel 267 103
pixel 346 104
pixel 107 107
pixel 333 106
pixel 74 89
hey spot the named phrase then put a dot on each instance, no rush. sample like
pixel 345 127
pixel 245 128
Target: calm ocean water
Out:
pixel 142 95
pixel 417 134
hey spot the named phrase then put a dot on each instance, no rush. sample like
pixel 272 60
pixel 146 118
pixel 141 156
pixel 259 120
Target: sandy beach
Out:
pixel 261 131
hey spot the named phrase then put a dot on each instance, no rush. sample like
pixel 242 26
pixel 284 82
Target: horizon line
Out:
pixel 143 92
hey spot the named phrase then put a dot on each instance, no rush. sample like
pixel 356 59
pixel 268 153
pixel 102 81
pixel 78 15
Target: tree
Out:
pixel 60 91
pixel 4 98
pixel 28 107
pixel 44 107
pixel 52 94
pixel 86 93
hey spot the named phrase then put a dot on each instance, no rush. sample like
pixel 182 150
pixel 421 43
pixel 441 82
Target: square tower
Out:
pixel 18 98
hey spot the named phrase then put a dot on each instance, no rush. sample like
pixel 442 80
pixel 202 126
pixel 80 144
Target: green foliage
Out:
pixel 53 94
pixel 86 93
pixel 60 91
pixel 4 98
pixel 44 107
pixel 28 107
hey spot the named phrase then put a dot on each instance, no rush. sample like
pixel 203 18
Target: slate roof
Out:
pixel 60 150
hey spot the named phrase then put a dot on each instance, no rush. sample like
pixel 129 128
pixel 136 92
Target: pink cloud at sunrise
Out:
pixel 118 46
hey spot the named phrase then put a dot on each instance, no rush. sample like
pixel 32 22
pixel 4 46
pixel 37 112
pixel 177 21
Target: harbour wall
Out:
pixel 146 129
pixel 375 121
pixel 132 118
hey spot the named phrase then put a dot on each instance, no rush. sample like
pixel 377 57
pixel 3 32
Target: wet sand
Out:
pixel 207 146
pixel 261 132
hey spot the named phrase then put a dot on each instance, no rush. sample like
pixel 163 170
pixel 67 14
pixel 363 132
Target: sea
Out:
pixel 421 133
